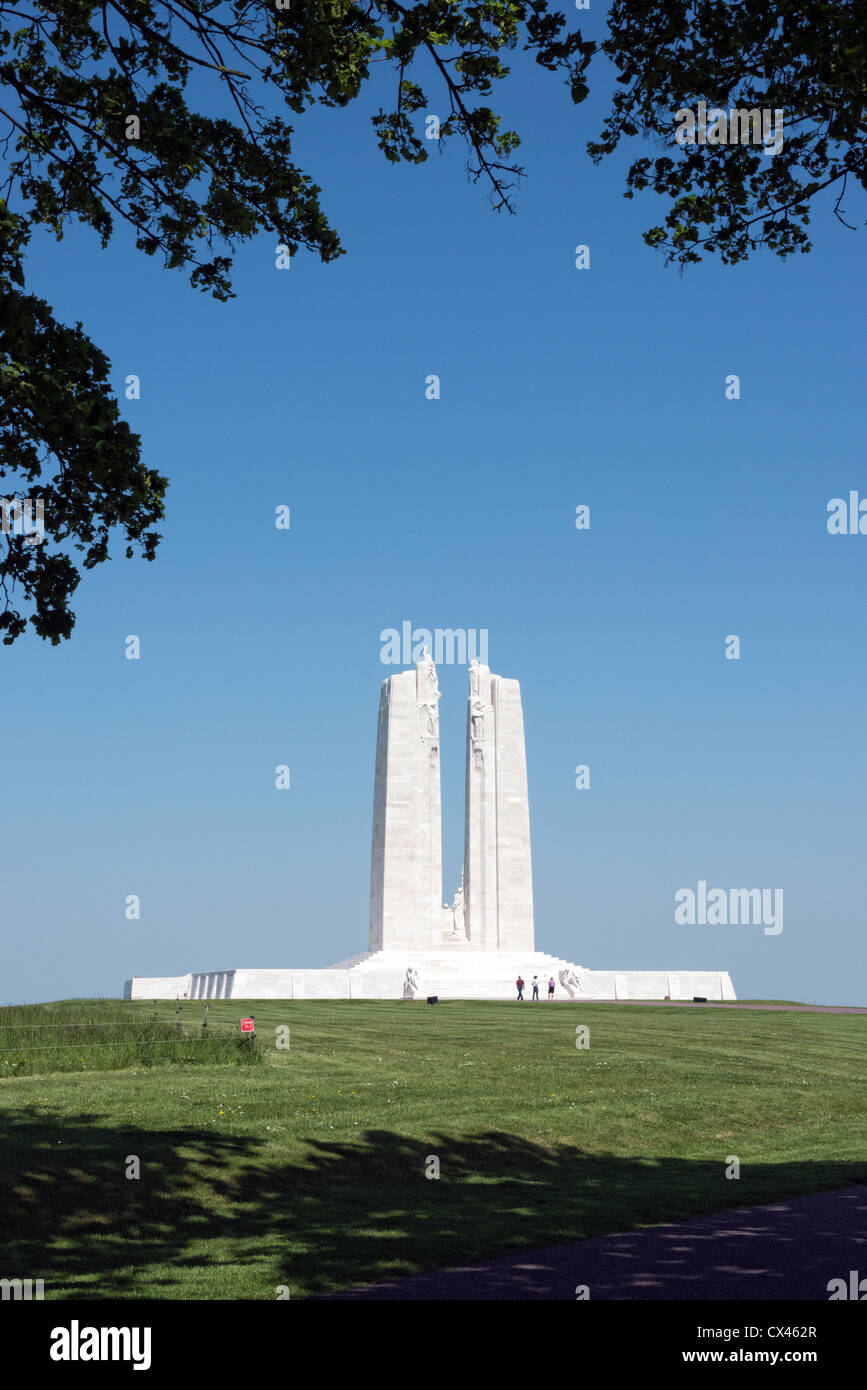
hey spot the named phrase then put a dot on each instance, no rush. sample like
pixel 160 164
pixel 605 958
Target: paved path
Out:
pixel 785 1250
pixel 725 1004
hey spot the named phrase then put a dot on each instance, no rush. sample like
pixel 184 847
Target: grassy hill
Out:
pixel 304 1166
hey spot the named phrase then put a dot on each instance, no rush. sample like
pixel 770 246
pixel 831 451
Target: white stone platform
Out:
pixel 451 973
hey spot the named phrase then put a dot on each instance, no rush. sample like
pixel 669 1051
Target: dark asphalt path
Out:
pixel 785 1250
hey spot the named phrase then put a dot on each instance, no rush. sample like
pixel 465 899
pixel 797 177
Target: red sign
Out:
pixel 247 1025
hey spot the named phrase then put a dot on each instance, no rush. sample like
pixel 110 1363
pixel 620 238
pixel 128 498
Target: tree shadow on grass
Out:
pixel 348 1214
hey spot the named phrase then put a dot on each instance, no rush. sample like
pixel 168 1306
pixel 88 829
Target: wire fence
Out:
pixel 81 1037
pixel 127 1042
pixel 211 1023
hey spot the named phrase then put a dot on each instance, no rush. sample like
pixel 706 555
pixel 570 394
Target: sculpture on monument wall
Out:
pixel 477 717
pixel 571 983
pixel 428 697
pixel 429 723
pixel 477 733
pixel 454 917
pixel 478 712
pixel 458 912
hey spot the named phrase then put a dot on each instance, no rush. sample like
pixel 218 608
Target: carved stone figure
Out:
pixel 571 983
pixel 429 696
pixel 459 925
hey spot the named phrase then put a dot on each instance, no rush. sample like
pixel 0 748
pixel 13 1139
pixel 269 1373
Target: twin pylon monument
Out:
pixel 493 908
pixel 476 947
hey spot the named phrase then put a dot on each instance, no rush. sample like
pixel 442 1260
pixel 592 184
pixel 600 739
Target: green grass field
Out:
pixel 307 1169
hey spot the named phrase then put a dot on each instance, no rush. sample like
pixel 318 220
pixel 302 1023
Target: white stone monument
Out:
pixel 475 948
pixel 499 877
pixel 406 858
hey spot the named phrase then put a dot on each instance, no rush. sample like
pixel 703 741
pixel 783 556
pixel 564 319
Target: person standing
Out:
pixel 535 986
pixel 551 987
pixel 519 984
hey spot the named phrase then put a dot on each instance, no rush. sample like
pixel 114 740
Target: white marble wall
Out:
pixel 448 974
pixel 212 984
pixel 480 828
pixel 406 851
pixel 292 984
pixel 514 867
pixel 654 984
pixel 497 862
pixel 157 987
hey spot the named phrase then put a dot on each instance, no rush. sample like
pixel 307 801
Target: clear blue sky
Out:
pixel 261 647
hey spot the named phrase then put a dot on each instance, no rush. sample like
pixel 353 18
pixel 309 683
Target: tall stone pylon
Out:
pixel 406 853
pixel 498 875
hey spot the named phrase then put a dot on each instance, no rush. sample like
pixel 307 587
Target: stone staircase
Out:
pixel 461 973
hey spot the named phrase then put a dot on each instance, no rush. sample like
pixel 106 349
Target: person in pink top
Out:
pixel 551 987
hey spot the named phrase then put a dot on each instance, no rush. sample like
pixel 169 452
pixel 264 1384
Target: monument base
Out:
pixel 446 972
